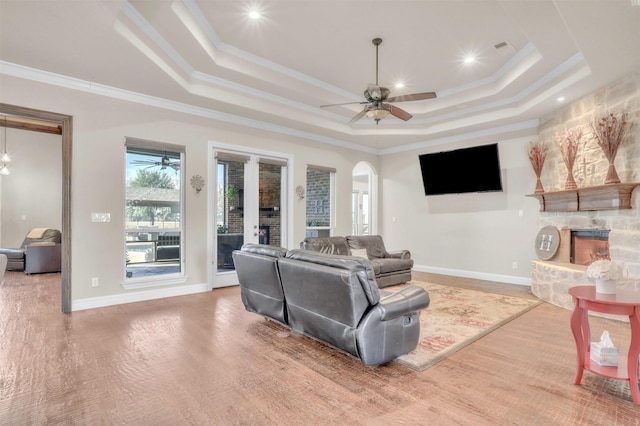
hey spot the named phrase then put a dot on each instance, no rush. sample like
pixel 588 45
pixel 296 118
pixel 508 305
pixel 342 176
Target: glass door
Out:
pixel 270 174
pixel 229 210
pixel 249 207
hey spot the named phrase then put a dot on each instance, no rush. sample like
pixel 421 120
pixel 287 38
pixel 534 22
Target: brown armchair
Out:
pixel 39 252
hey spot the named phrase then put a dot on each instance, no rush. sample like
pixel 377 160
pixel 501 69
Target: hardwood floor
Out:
pixel 202 359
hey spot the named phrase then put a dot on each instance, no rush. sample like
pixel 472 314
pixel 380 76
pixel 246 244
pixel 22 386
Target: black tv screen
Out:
pixel 475 169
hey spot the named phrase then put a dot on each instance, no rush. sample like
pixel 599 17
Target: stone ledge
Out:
pixel 551 281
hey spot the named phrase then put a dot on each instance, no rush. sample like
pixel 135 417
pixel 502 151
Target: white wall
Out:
pixel 101 123
pixel 32 193
pixel 476 235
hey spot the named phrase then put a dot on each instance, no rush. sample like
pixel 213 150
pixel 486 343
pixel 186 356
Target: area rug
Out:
pixel 457 317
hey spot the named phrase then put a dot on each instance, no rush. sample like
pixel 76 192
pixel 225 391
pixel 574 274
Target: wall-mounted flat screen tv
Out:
pixel 474 169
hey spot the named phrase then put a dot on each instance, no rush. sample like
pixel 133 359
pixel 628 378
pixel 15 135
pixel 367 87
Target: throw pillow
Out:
pixel 360 253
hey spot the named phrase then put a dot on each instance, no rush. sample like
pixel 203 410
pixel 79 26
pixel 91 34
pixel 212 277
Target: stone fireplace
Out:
pixel 615 238
pixel 591 222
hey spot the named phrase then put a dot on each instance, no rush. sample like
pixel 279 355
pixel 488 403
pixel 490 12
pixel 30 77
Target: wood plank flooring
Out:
pixel 203 360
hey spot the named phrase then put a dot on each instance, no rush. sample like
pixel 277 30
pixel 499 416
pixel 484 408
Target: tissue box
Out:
pixel 607 357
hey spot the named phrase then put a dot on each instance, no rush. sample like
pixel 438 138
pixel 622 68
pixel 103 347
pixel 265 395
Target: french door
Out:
pixel 249 193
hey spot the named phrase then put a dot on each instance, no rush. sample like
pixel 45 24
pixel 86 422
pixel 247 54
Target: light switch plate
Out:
pixel 100 217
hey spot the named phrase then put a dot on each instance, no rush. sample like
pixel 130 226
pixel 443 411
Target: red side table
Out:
pixel 622 303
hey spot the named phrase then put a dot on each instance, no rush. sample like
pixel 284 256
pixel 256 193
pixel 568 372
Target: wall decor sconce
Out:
pixel 300 192
pixel 197 183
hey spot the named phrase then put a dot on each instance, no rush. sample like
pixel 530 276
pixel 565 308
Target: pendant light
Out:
pixel 5 157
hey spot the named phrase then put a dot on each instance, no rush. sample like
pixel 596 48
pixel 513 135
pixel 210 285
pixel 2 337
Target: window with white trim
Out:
pixel 320 214
pixel 154 210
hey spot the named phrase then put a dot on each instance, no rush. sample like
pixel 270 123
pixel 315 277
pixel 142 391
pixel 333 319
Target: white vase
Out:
pixel 605 286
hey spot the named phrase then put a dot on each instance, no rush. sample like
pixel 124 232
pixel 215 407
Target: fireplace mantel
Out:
pixel 615 196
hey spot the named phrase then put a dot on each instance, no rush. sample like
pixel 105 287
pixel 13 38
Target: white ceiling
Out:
pixel 208 58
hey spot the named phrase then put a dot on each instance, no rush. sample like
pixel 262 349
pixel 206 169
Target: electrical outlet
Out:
pixel 95 282
pixel 514 265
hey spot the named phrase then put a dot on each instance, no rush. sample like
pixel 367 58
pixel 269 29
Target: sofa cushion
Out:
pixel 362 268
pixel 373 243
pixel 13 253
pixel 360 253
pixel 383 266
pixel 264 249
pixel 330 245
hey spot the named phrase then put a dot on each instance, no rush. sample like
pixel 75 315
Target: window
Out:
pixel 154 193
pixel 320 201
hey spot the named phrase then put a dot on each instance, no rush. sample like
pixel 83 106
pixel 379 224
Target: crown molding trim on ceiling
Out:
pixel 188 12
pixel 46 77
pixel 19 71
pixel 493 131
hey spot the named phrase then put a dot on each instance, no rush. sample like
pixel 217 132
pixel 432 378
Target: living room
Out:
pixel 483 236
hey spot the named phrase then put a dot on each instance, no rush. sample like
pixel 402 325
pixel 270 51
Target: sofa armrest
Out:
pixel 400 254
pixel 409 299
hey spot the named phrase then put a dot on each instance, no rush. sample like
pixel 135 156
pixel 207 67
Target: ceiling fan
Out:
pixel 378 103
pixel 163 163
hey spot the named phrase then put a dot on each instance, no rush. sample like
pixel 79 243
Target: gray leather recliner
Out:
pixel 336 299
pixel 259 277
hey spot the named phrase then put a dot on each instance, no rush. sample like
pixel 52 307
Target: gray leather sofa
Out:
pixel 332 298
pixel 390 268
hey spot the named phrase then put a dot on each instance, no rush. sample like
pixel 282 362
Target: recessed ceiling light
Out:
pixel 399 85
pixel 254 14
pixel 561 99
pixel 469 59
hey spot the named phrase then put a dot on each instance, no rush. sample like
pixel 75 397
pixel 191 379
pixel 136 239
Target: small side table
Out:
pixel 622 303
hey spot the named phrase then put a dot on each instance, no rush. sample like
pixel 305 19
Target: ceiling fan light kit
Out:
pixel 378 103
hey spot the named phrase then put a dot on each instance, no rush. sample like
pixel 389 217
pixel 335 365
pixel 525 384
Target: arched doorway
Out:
pixel 364 200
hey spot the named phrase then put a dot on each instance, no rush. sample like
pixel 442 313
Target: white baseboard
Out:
pixel 138 296
pixel 509 279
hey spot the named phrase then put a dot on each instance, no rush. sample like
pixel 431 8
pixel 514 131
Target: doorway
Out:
pixel 249 189
pixel 364 200
pixel 64 124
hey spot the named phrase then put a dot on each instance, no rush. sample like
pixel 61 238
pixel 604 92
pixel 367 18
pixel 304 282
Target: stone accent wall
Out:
pixel 550 280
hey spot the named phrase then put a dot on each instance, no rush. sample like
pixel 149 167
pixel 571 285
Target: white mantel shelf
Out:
pixel 616 196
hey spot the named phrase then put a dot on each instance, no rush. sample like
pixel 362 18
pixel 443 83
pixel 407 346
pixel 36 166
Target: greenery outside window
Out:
pixel 154 210
pixel 320 201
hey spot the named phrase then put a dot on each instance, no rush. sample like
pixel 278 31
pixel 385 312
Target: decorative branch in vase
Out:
pixel 609 132
pixel 537 155
pixel 569 143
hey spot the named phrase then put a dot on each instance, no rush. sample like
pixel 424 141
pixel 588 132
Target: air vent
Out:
pixel 504 48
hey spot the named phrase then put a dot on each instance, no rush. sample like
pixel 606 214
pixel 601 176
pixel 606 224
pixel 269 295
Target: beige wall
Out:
pixel 478 234
pixel 100 125
pixel 32 193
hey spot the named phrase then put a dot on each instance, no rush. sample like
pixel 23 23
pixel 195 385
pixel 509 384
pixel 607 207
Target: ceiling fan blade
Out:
pixel 400 113
pixel 358 116
pixel 346 103
pixel 412 97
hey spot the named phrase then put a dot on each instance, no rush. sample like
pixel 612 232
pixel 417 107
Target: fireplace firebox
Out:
pixel 589 245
